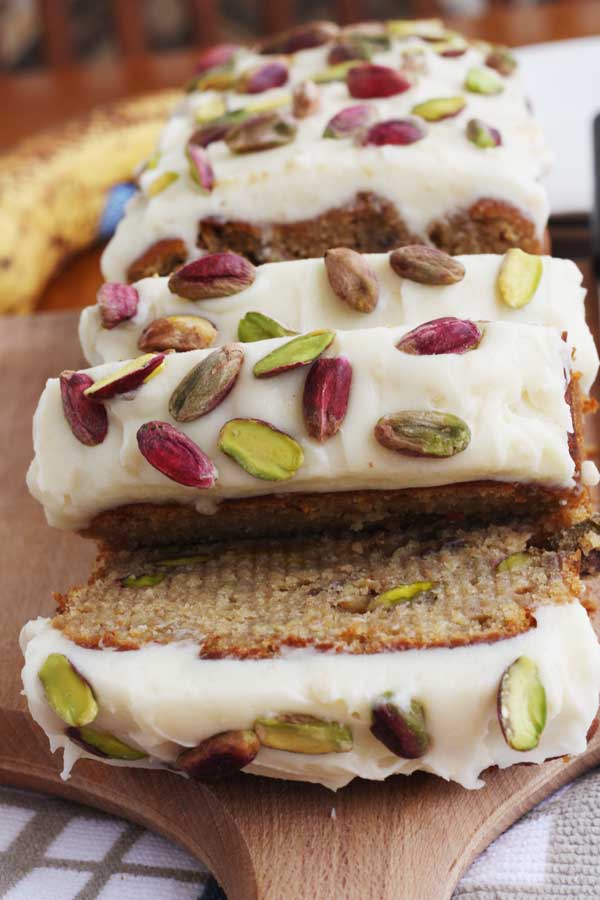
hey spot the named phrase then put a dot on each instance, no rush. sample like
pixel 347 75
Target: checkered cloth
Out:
pixel 51 849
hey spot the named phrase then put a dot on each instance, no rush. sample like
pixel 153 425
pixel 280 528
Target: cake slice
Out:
pixel 347 291
pixel 324 659
pixel 368 137
pixel 325 430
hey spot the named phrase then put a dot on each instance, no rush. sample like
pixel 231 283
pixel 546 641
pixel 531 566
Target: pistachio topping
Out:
pixel 128 378
pixel 100 743
pixel 175 455
pixel 220 755
pixel 352 279
pixel 439 108
pixel 255 326
pixel 261 449
pixel 416 432
pixel 402 731
pixel 482 80
pixel 426 265
pixel 303 734
pixel 179 333
pixel 87 419
pixel 337 72
pixel 300 351
pixel 519 277
pixel 522 705
pixel 263 131
pixel 207 384
pixel 67 692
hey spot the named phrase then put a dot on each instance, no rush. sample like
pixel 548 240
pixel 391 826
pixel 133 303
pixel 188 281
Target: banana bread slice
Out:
pixel 323 659
pixel 369 141
pixel 326 430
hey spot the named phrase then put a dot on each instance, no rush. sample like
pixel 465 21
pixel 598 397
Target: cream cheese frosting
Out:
pixel 298 295
pixel 510 391
pixel 426 181
pixel 163 698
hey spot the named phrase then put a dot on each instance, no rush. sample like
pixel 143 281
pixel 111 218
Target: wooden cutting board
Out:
pixel 409 837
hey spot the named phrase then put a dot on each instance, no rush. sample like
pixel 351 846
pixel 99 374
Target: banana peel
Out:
pixel 54 189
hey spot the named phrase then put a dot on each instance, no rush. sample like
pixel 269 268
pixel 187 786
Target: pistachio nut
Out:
pixel 179 333
pixel 352 279
pixel 220 755
pixel 117 303
pixel 87 419
pixel 262 131
pixel 337 72
pixel 519 277
pixel 214 275
pixel 175 455
pixel 444 335
pixel 303 734
pixel 325 397
pixel 402 731
pixel 482 135
pixel 502 60
pixel 300 351
pixel 159 259
pixel 482 80
pixel 439 108
pixel 368 81
pixel 425 432
pixel 522 705
pixel 263 78
pixel 350 122
pixel 255 326
pixel 261 449
pixel 100 743
pixel 67 691
pixel 201 171
pixel 426 265
pixel 127 378
pixel 207 384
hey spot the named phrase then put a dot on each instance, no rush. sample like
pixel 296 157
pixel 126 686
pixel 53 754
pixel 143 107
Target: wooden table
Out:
pixel 39 100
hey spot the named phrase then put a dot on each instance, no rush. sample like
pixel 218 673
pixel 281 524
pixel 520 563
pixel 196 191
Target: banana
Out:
pixel 54 189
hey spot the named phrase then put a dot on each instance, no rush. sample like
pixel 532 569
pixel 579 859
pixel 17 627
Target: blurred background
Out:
pixel 34 32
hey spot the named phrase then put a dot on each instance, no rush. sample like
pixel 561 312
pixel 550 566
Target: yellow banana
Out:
pixel 54 189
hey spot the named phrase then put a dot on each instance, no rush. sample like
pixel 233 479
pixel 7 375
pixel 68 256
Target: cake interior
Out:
pixel 254 599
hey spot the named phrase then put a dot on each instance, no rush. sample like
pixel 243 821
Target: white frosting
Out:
pixel 426 180
pixel 510 392
pixel 162 698
pixel 298 295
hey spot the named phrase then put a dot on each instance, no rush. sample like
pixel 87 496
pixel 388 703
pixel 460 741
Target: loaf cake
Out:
pixel 346 291
pixel 368 137
pixel 324 659
pixel 327 429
